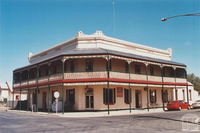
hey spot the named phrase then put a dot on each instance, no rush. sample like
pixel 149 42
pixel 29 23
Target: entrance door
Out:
pixel 89 101
pixel 89 98
pixel 137 98
pixel 44 101
pixel 70 99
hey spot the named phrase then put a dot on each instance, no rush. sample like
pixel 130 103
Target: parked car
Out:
pixel 196 104
pixel 178 105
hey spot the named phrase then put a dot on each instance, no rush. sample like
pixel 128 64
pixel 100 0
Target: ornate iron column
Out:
pixel 187 86
pixel 175 83
pixel 63 77
pixel 37 89
pixel 162 74
pixel 48 95
pixel 147 88
pixel 129 84
pixel 20 91
pixel 108 83
pixel 28 97
pixel 13 100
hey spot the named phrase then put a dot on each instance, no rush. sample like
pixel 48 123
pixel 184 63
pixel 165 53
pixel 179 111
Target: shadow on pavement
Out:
pixel 164 118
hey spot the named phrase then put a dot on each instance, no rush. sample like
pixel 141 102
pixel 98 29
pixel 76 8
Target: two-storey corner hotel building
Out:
pixel 97 72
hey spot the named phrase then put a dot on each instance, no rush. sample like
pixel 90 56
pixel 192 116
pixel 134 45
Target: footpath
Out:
pixel 88 114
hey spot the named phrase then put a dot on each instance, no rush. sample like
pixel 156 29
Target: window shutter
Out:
pixel 104 95
pixel 114 96
pixel 125 95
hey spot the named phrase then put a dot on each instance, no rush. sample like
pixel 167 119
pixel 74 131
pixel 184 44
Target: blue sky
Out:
pixel 34 25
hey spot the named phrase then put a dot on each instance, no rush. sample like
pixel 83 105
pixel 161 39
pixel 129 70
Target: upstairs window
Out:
pixel 89 65
pixel 109 96
pixel 71 66
pixel 152 96
pixel 127 96
pixel 126 67
pixel 151 69
pixel 137 69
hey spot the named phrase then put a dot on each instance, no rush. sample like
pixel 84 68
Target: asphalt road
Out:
pixel 166 122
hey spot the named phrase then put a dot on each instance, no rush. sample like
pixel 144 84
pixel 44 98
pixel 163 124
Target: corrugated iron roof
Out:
pixel 95 51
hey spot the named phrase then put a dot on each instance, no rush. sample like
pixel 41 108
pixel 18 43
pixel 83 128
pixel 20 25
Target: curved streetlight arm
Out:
pixel 193 14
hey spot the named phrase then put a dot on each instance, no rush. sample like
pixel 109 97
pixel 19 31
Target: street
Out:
pixel 167 122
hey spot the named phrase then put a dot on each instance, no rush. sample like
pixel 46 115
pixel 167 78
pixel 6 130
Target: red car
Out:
pixel 179 105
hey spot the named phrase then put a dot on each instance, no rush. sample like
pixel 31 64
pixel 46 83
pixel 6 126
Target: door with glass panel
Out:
pixel 89 98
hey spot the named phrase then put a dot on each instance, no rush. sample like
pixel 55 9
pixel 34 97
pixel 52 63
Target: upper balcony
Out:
pixel 97 68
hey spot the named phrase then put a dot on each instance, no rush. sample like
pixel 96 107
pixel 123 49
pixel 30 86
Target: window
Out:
pixel 126 67
pixel 71 65
pixel 137 69
pixel 89 65
pixel 109 96
pixel 165 96
pixel 70 96
pixel 54 69
pixel 152 96
pixel 33 73
pixel 151 70
pixel 127 96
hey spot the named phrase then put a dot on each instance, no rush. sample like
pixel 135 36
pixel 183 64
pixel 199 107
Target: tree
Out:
pixel 195 80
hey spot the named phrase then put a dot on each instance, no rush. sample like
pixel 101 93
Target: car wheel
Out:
pixel 180 108
pixel 188 107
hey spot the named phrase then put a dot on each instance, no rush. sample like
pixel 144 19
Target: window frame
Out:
pixel 127 96
pixel 112 97
pixel 138 69
pixel 89 65
pixel 153 99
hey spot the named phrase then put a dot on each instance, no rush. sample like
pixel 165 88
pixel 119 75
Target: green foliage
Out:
pixel 195 80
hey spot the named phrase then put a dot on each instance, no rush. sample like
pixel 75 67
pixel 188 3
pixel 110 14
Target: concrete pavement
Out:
pixel 167 122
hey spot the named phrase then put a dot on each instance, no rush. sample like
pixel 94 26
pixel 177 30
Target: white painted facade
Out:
pixel 79 79
pixel 99 40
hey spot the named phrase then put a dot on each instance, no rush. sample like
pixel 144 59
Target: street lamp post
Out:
pixel 192 14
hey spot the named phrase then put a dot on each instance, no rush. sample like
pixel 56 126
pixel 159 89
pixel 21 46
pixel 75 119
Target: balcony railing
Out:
pixel 43 79
pixel 99 75
pixel 138 77
pixel 24 83
pixel 119 75
pixel 181 80
pixel 56 77
pixel 85 75
pixel 169 79
pixel 33 81
pixel 155 78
